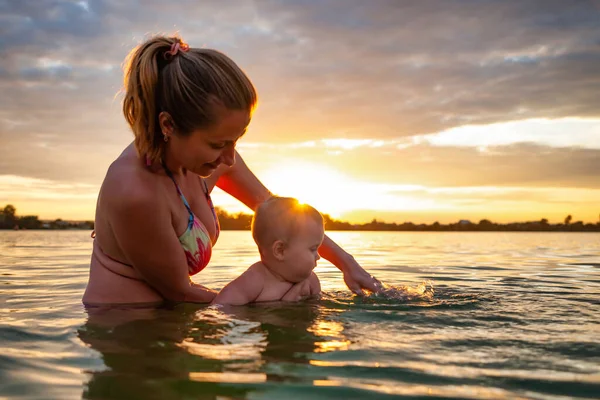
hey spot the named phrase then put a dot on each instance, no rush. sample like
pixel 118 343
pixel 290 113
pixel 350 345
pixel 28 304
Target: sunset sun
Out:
pixel 319 185
pixel 334 192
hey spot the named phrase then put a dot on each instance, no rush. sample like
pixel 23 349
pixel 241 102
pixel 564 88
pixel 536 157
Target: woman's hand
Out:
pixel 357 279
pixel 206 293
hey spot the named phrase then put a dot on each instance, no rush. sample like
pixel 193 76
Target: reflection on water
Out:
pixel 332 334
pixel 213 345
pixel 205 345
pixel 463 316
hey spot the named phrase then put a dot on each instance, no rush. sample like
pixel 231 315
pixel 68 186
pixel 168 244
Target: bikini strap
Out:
pixel 212 207
pixel 180 193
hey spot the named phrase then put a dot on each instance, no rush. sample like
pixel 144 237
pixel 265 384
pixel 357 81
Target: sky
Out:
pixel 398 110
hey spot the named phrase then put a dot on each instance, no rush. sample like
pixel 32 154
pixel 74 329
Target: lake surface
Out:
pixel 481 316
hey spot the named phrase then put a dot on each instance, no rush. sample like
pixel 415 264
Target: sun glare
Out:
pixel 312 184
pixel 331 191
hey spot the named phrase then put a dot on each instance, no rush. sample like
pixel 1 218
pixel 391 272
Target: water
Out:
pixel 512 315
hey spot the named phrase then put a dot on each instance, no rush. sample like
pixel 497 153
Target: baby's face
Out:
pixel 301 255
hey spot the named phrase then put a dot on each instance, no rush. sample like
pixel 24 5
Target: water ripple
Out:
pixel 478 316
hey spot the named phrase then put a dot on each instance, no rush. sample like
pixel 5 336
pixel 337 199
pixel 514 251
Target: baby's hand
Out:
pixel 298 291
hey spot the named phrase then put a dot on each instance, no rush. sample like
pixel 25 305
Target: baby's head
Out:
pixel 288 235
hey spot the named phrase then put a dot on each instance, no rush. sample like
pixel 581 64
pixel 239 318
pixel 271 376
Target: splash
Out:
pixel 423 291
pixel 386 296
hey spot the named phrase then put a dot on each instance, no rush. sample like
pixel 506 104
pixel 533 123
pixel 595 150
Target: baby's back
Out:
pixel 259 284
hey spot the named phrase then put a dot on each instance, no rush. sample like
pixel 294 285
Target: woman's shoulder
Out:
pixel 129 181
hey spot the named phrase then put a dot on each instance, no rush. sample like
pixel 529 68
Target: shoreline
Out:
pixel 595 229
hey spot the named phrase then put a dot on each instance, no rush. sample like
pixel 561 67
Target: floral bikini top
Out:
pixel 195 240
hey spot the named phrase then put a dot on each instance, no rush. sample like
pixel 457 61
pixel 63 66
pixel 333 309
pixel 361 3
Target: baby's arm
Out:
pixel 301 290
pixel 315 285
pixel 242 290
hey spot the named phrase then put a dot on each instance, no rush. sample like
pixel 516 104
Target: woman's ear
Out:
pixel 167 127
pixel 279 250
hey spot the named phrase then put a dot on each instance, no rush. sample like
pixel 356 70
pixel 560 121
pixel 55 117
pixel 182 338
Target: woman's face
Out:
pixel 204 150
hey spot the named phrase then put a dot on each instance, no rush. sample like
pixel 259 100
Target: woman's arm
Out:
pixel 355 277
pixel 142 227
pixel 240 182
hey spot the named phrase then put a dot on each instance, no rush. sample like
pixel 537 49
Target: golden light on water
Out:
pixel 225 351
pixel 332 345
pixel 236 339
pixel 227 377
pixel 326 328
pixel 323 382
pixel 329 330
pixel 388 387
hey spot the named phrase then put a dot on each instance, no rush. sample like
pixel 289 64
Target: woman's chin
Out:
pixel 205 170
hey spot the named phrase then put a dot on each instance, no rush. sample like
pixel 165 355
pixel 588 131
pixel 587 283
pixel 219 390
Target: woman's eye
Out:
pixel 217 146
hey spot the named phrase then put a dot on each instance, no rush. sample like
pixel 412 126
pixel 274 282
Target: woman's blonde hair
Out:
pixel 189 84
pixel 281 218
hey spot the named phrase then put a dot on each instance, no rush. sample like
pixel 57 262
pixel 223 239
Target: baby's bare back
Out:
pixel 259 284
pixel 274 289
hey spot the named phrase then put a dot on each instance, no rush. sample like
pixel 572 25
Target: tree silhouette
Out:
pixel 9 210
pixel 8 216
pixel 242 221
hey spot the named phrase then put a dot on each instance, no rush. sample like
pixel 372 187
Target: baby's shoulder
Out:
pixel 258 268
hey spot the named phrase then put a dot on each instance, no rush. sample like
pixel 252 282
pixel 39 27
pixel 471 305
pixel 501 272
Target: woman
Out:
pixel 155 222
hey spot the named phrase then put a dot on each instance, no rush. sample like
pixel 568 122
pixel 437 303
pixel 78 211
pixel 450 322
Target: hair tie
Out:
pixel 175 47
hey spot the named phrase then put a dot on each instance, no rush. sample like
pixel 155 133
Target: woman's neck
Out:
pixel 170 163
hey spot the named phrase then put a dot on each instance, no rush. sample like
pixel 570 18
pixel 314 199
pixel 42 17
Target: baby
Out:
pixel 288 235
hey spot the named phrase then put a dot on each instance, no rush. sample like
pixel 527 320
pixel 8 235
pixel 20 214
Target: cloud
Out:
pixel 14 186
pixel 522 164
pixel 416 71
pixel 48 198
pixel 381 69
pixel 565 132
pixel 353 81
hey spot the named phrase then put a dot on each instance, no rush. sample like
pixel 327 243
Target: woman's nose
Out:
pixel 228 155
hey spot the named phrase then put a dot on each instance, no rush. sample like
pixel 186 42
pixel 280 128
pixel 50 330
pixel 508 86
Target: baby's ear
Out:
pixel 279 250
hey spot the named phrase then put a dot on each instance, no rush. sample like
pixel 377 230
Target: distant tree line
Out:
pixel 10 220
pixel 243 221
